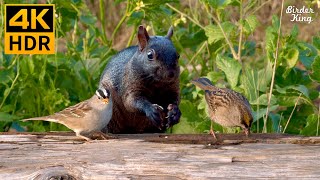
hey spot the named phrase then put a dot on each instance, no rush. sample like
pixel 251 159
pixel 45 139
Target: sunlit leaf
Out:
pixel 251 23
pixel 312 126
pixel 230 67
pixel 214 33
pixel 263 100
pixel 307 54
pixel 315 75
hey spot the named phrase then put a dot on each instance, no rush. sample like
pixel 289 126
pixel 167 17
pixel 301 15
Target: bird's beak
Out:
pixel 106 100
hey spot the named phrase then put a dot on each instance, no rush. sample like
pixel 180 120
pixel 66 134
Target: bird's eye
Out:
pixel 151 54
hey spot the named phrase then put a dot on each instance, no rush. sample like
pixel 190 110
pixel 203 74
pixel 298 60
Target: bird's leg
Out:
pixel 246 131
pixel 100 135
pixel 81 136
pixel 212 131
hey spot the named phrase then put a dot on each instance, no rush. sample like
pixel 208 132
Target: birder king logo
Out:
pixel 300 14
pixel 29 29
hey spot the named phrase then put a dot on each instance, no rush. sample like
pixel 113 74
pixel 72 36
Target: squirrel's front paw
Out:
pixel 154 115
pixel 173 115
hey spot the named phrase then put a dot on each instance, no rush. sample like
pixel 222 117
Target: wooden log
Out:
pixel 158 156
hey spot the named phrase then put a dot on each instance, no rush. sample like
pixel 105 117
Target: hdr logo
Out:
pixel 29 29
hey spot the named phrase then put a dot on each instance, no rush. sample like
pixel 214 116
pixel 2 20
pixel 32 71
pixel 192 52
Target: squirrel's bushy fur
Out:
pixel 142 77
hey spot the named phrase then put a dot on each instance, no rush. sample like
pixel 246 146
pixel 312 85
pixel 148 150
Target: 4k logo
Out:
pixel 29 29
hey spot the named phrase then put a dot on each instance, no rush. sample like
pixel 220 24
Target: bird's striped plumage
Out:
pixel 226 107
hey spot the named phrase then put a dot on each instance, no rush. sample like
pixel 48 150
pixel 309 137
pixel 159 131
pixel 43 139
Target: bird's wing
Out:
pixel 242 99
pixel 77 111
pixel 216 99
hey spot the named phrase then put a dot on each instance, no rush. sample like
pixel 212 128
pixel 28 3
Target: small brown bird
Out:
pixel 85 118
pixel 226 107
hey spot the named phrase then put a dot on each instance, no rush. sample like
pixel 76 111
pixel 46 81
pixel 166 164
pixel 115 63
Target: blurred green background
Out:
pixel 235 43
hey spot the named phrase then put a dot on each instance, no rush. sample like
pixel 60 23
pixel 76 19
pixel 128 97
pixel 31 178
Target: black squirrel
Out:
pixel 143 79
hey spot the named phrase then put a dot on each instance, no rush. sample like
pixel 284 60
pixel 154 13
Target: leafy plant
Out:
pixel 278 74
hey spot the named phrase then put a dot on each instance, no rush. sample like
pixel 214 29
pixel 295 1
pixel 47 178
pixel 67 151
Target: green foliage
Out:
pixel 315 75
pixel 230 67
pixel 212 42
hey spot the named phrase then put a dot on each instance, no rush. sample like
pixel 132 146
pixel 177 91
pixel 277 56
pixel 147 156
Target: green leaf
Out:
pixel 307 54
pixel 8 117
pixel 249 84
pixel 254 81
pixel 135 18
pixel 300 88
pixel 291 60
pixel 203 104
pixel 270 44
pixel 6 75
pixel 271 38
pixel 214 33
pixel 230 67
pixel 289 100
pixel 251 23
pixel 219 4
pixel 294 32
pixel 190 115
pixel 88 19
pixel 292 57
pixel 183 127
pixel 262 112
pixel 264 77
pixel 215 76
pixel 312 125
pixel 316 42
pixel 315 75
pixel 263 100
pixel 189 110
pixel 275 122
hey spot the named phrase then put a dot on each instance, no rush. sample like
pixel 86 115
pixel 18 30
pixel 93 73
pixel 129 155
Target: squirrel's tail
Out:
pixel 204 83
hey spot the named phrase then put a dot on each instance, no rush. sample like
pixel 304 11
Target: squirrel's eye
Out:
pixel 150 54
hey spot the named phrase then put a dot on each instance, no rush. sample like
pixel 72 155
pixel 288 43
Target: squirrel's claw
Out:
pixel 173 115
pixel 155 116
pixel 158 106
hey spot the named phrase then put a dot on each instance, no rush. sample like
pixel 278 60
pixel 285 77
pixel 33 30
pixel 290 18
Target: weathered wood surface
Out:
pixel 56 155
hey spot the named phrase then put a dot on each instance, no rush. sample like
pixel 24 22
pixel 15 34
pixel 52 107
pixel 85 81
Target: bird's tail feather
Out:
pixel 204 83
pixel 43 118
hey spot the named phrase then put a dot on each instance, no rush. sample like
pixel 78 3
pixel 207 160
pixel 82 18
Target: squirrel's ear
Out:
pixel 143 37
pixel 170 32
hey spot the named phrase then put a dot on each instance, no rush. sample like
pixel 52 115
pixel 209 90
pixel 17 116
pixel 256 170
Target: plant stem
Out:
pixel 295 105
pixel 13 83
pixel 197 53
pixel 103 22
pixel 318 121
pixel 273 71
pixel 241 32
pixel 132 36
pixel 2 24
pixel 264 3
pixel 234 54
pixel 183 14
pixel 124 17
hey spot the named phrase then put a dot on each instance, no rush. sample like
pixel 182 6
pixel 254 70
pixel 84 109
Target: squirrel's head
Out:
pixel 157 56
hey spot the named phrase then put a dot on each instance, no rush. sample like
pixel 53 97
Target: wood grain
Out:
pixel 158 156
